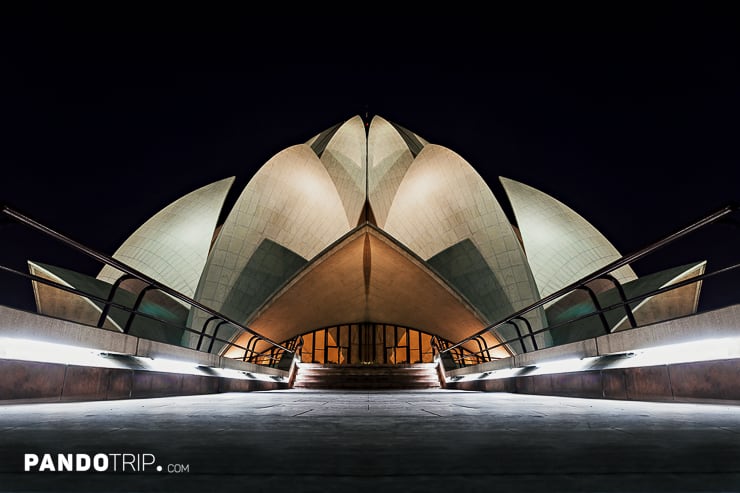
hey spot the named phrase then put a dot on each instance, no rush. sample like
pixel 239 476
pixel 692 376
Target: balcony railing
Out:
pixel 270 353
pixel 527 339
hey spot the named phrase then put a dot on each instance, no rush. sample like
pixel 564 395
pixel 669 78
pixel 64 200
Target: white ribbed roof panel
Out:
pixel 562 247
pixel 389 158
pixel 344 159
pixel 442 201
pixel 291 201
pixel 172 246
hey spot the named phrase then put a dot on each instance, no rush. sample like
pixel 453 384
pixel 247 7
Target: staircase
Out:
pixel 366 377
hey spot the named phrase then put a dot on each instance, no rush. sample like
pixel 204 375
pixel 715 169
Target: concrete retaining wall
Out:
pixel 25 325
pixel 29 381
pixel 724 322
pixel 702 381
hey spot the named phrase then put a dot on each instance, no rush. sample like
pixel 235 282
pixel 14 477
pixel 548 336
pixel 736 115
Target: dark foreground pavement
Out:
pixel 296 441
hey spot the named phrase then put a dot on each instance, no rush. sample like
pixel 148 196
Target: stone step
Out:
pixel 365 384
pixel 344 381
pixel 374 374
pixel 316 376
pixel 369 385
pixel 368 365
pixel 366 374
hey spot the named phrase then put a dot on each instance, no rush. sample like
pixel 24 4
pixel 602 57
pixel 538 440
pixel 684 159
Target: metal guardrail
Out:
pixel 446 350
pixel 150 284
pixel 602 273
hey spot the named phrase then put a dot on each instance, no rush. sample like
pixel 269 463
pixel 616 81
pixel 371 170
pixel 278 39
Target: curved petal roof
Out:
pixel 288 212
pixel 562 247
pixel 444 212
pixel 436 252
pixel 388 159
pixel 69 306
pixel 172 246
pixel 344 158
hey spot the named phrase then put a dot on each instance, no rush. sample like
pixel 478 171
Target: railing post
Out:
pixel 111 295
pixel 203 331
pixel 135 308
pixel 251 350
pixel 215 334
pixel 529 329
pixel 485 354
pixel 518 334
pixel 597 305
pixel 246 349
pixel 623 297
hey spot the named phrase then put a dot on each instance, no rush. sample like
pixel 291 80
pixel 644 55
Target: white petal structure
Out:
pixel 288 212
pixel 671 304
pixel 562 247
pixel 389 157
pixel 445 212
pixel 366 223
pixel 65 305
pixel 344 158
pixel 172 246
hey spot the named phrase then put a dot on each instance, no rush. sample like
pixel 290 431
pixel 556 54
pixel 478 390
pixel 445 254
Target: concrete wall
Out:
pixel 24 381
pixel 701 381
pixel 724 322
pixel 25 325
pixel 31 381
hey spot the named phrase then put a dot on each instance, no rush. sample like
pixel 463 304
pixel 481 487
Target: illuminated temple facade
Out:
pixel 364 243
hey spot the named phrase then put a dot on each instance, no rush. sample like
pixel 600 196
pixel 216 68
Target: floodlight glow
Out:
pixel 171 365
pixel 67 354
pixel 51 352
pixel 685 352
pixel 559 366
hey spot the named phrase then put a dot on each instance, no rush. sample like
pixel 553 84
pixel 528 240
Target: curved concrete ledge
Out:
pixel 612 366
pixel 700 381
pixel 33 381
pixel 723 322
pixel 25 325
pixel 121 373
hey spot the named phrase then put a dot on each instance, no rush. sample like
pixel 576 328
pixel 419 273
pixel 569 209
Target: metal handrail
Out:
pixel 113 304
pixel 620 262
pixel 131 271
pixel 615 306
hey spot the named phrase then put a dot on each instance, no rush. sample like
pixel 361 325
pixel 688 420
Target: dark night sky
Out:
pixel 628 117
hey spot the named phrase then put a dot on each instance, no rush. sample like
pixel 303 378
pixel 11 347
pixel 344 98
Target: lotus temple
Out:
pixel 362 241
pixel 369 263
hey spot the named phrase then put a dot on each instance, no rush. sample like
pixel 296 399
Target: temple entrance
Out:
pixel 367 343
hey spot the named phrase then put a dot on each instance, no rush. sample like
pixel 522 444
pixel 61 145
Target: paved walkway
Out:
pixel 437 440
